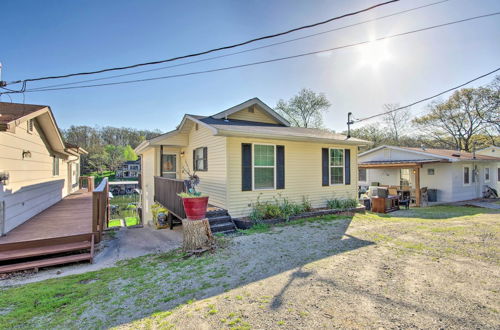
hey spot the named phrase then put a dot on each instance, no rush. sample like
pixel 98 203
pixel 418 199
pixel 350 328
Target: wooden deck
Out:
pixel 70 216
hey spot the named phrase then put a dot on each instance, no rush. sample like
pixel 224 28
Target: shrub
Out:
pixel 306 204
pixel 342 204
pixel 278 208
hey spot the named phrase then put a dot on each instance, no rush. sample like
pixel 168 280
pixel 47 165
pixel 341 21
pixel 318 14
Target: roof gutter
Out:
pixel 290 138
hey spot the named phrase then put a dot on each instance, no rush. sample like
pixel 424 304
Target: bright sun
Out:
pixel 374 54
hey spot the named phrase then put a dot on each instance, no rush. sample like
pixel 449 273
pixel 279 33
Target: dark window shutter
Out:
pixel 280 167
pixel 205 158
pixel 194 160
pixel 347 164
pixel 246 166
pixel 324 166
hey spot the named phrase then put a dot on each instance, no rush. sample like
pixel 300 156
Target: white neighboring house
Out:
pixel 457 175
pixel 37 168
pixel 493 151
pixel 129 169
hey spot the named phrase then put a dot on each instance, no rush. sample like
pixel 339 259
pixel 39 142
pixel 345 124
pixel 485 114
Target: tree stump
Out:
pixel 197 235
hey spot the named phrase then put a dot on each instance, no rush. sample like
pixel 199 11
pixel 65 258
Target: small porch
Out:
pixel 63 233
pixel 406 184
pixel 165 193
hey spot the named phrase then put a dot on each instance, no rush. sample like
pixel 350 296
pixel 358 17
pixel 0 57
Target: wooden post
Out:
pixel 90 183
pixel 197 236
pixel 417 185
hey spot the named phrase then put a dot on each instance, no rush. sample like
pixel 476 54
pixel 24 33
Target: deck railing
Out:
pixel 86 182
pixel 100 208
pixel 166 191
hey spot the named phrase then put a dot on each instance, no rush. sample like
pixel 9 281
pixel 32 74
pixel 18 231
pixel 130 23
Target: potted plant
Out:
pixel 195 204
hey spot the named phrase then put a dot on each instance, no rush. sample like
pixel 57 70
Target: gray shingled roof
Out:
pixel 247 127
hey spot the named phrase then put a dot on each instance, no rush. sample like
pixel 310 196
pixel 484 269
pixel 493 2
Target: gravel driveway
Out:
pixel 371 272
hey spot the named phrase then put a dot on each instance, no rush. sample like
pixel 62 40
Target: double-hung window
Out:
pixel 487 174
pixel 362 175
pixel 264 166
pixel 336 166
pixel 55 166
pixel 200 159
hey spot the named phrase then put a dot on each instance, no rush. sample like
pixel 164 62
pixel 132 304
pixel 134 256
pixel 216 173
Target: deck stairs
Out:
pixel 36 254
pixel 220 221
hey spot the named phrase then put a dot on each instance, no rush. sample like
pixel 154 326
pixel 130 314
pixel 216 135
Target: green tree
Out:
pixel 129 153
pixel 304 109
pixel 462 116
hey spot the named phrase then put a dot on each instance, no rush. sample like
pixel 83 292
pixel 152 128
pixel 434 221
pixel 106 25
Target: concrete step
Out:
pixel 45 262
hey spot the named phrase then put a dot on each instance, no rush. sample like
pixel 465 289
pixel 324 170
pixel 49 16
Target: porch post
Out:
pixel 161 160
pixel 417 185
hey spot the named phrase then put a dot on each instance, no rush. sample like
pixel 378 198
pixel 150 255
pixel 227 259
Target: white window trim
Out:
pixel 253 166
pixel 330 167
pixel 489 174
pixel 470 176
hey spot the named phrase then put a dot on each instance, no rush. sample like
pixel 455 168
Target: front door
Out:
pixel 169 169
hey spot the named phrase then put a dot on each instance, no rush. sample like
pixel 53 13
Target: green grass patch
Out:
pixel 114 223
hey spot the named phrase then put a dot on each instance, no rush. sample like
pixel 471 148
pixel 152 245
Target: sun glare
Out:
pixel 374 54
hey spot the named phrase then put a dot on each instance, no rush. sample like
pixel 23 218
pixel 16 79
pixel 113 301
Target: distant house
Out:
pixel 129 169
pixel 455 175
pixel 249 153
pixel 37 168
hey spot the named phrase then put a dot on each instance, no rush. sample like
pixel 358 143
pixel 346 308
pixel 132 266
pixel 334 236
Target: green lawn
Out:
pixel 127 210
pixel 155 285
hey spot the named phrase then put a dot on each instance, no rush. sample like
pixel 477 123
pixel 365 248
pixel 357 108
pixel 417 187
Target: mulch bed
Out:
pixel 246 223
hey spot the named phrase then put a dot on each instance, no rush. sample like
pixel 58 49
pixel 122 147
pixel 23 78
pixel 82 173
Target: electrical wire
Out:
pixel 267 61
pixel 246 50
pixel 211 50
pixel 427 98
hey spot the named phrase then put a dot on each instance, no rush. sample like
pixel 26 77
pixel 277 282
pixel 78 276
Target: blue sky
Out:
pixel 48 37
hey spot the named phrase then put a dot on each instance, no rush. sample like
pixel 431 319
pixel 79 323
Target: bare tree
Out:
pixel 305 109
pixel 397 122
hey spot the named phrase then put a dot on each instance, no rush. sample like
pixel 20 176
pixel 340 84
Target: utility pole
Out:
pixel 2 83
pixel 349 123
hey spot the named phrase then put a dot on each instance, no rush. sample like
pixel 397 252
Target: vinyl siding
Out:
pixel 148 171
pixel 213 181
pixel 303 176
pixel 258 116
pixel 31 186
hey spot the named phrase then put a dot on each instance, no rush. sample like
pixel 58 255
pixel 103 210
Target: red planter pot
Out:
pixel 195 207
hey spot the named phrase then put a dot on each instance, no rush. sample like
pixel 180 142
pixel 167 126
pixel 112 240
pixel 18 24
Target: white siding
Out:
pixel 31 187
pixel 258 115
pixel 213 181
pixel 303 176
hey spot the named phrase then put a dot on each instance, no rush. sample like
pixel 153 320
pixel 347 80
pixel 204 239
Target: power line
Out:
pixel 427 98
pixel 267 61
pixel 211 50
pixel 246 50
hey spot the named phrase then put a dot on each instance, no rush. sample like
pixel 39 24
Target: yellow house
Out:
pixel 248 152
pixel 37 168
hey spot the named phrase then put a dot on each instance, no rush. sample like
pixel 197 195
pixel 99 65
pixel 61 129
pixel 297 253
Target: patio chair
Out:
pixel 393 192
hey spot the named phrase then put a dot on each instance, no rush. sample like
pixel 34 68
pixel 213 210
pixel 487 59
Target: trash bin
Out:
pixel 432 195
